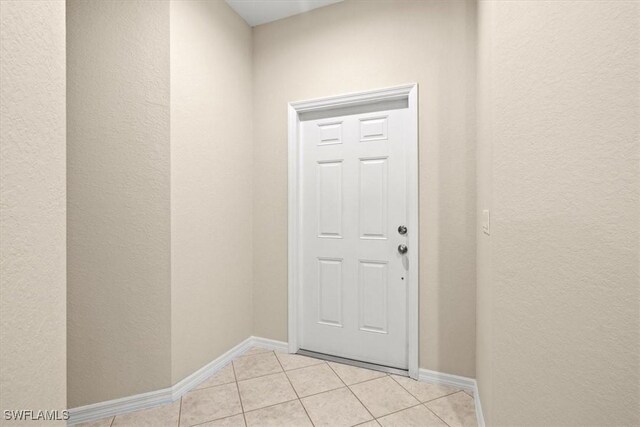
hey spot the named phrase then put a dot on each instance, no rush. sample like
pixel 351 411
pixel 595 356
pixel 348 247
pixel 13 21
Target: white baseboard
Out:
pixel 479 414
pixel 190 382
pixel 155 398
pixel 464 383
pixel 152 399
pixel 456 381
pixel 270 344
pixel 120 406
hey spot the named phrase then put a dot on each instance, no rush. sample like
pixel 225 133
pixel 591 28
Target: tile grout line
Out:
pixel 221 418
pixel 430 400
pixel 210 421
pixel 432 411
pixel 437 416
pixel 272 405
pixel 294 389
pixel 258 376
pixel 450 394
pixel 215 419
pixel 320 362
pixel 320 392
pixel 291 400
pixel 425 402
pixel 254 354
pixel 415 397
pixel 295 369
pixel 399 410
pixel 210 386
pixel 405 389
pixel 382 374
pixel 440 397
pixel 233 368
pixel 351 391
pixel 363 405
pixel 370 379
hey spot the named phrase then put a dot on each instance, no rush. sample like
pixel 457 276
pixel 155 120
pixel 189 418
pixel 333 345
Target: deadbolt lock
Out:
pixel 402 230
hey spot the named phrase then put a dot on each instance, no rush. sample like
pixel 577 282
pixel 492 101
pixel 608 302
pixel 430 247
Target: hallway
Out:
pixel 198 195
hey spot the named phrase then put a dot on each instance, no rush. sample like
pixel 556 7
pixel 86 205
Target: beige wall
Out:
pixel 558 290
pixel 211 182
pixel 32 207
pixel 119 298
pixel 160 192
pixel 484 330
pixel 360 45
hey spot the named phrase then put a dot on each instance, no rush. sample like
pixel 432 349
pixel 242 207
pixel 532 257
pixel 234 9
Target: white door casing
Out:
pixel 353 179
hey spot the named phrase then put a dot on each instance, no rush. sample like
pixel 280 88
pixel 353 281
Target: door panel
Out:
pixel 373 198
pixel 373 288
pixel 354 292
pixel 330 291
pixel 329 199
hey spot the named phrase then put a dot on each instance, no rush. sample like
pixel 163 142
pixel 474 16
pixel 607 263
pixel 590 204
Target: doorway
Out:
pixel 353 227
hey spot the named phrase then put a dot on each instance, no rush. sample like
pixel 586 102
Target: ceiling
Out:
pixel 257 12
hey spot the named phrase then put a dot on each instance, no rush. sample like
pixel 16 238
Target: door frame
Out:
pixel 408 92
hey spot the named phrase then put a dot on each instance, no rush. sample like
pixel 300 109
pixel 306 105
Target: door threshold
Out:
pixel 356 363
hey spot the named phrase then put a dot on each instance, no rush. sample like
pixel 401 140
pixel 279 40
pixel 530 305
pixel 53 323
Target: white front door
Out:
pixel 354 198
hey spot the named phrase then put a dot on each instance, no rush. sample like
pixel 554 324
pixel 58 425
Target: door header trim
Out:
pixel 354 99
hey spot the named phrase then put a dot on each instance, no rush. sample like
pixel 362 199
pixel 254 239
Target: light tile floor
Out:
pixel 266 388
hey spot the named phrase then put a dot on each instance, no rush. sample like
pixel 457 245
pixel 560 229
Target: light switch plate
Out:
pixel 486 223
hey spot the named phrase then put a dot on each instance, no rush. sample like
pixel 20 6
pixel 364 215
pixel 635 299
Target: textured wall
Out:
pixel 355 46
pixel 484 330
pixel 559 291
pixel 211 180
pixel 32 206
pixel 119 298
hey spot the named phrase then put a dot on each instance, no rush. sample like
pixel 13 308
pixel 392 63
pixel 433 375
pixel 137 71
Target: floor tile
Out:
pixel 290 414
pixel 457 410
pixel 209 404
pixel 383 396
pixel 352 374
pixel 256 365
pixel 223 376
pixel 269 396
pixel 255 350
pixel 234 421
pixel 424 391
pixel 418 416
pixel 295 361
pixel 314 379
pixel 165 415
pixel 104 422
pixel 335 408
pixel 265 391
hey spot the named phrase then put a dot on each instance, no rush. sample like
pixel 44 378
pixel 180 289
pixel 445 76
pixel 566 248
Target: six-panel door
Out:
pixel 354 287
